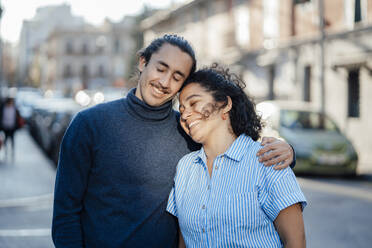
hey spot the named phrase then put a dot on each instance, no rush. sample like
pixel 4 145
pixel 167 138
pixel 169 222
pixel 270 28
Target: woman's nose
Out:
pixel 185 114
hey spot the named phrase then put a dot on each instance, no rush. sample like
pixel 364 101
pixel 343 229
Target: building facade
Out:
pixel 35 32
pixel 87 58
pixel 311 50
pixel 8 64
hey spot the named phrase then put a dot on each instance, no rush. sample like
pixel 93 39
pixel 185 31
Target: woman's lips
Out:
pixel 193 123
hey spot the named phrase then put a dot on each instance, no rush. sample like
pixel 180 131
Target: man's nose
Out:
pixel 165 80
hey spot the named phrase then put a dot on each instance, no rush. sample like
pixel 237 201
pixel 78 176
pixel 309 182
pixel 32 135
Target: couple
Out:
pixel 118 160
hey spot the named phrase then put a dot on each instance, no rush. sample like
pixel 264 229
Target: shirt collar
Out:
pixel 235 152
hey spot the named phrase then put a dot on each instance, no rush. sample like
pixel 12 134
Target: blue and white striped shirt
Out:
pixel 237 205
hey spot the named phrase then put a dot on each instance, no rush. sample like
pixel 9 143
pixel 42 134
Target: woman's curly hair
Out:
pixel 221 83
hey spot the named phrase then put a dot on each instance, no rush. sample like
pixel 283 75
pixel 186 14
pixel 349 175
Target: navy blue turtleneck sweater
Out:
pixel 115 172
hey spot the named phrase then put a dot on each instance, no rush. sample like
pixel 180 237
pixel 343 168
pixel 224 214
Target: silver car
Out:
pixel 320 146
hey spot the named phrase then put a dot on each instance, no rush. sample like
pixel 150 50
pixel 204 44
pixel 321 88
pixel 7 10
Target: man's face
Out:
pixel 163 75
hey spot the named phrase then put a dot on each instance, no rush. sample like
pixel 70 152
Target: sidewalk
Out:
pixel 31 176
pixel 26 196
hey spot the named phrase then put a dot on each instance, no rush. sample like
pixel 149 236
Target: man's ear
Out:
pixel 141 64
pixel 228 106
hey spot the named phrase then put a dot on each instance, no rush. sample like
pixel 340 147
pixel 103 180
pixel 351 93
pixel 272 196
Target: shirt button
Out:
pixel 203 230
pixel 216 167
pixel 203 207
pixel 209 187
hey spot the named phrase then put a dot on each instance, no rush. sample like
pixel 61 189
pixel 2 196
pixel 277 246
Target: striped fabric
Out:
pixel 235 207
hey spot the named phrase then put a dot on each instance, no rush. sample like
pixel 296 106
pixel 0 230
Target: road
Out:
pixel 338 212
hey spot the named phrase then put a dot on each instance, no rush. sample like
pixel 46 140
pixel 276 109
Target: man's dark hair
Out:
pixel 221 84
pixel 171 39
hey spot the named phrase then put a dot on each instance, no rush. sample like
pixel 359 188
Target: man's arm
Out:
pixel 70 186
pixel 276 151
pixel 290 226
pixel 181 241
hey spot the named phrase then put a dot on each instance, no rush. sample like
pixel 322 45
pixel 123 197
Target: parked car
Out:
pixel 320 146
pixel 25 98
pixel 48 115
pixel 50 118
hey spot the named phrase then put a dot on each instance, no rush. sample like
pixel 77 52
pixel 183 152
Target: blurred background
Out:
pixel 307 63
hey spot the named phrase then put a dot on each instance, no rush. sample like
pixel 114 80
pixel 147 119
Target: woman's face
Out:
pixel 200 113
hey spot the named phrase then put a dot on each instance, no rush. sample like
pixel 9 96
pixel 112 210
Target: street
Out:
pixel 338 212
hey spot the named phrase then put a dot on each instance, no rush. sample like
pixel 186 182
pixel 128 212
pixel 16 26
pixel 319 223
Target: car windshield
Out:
pixel 295 119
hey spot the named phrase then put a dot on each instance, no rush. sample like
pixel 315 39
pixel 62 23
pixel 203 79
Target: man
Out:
pixel 118 159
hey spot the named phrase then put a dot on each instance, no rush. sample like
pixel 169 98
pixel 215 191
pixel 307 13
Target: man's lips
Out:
pixel 158 90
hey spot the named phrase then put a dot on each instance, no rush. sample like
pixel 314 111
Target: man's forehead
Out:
pixel 173 57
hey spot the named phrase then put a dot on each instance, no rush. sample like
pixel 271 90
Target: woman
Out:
pixel 222 195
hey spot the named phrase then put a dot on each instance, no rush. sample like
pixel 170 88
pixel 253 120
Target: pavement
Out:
pixel 26 195
pixel 30 175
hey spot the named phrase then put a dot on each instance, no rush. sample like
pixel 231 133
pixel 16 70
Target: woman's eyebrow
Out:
pixel 191 96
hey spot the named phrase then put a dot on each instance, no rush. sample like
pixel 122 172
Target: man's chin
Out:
pixel 157 102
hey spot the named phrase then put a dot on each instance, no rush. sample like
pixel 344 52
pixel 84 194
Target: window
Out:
pixel 100 44
pixel 271 74
pixel 84 48
pixel 301 1
pixel 295 119
pixel 100 49
pixel 211 9
pixel 84 72
pixel 357 12
pixel 67 73
pixel 68 47
pixel 196 14
pixel 307 84
pixel 353 93
pixel 101 71
pixel 238 2
pixel 117 45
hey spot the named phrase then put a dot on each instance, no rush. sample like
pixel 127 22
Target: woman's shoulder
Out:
pixel 185 166
pixel 188 159
pixel 268 172
pixel 250 151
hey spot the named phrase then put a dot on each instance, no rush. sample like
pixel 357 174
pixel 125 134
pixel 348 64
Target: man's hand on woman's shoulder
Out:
pixel 275 152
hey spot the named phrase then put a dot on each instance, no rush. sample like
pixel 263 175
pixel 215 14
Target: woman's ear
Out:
pixel 141 64
pixel 228 106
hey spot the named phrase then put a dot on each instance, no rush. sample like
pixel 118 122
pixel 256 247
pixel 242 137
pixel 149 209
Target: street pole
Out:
pixel 322 63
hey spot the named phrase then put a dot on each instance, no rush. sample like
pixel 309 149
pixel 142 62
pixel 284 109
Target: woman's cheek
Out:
pixel 207 110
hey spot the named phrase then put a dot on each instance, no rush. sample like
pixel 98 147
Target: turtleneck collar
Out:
pixel 142 110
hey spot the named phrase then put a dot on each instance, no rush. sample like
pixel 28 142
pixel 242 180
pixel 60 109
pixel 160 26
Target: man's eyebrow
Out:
pixel 166 65
pixel 163 63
